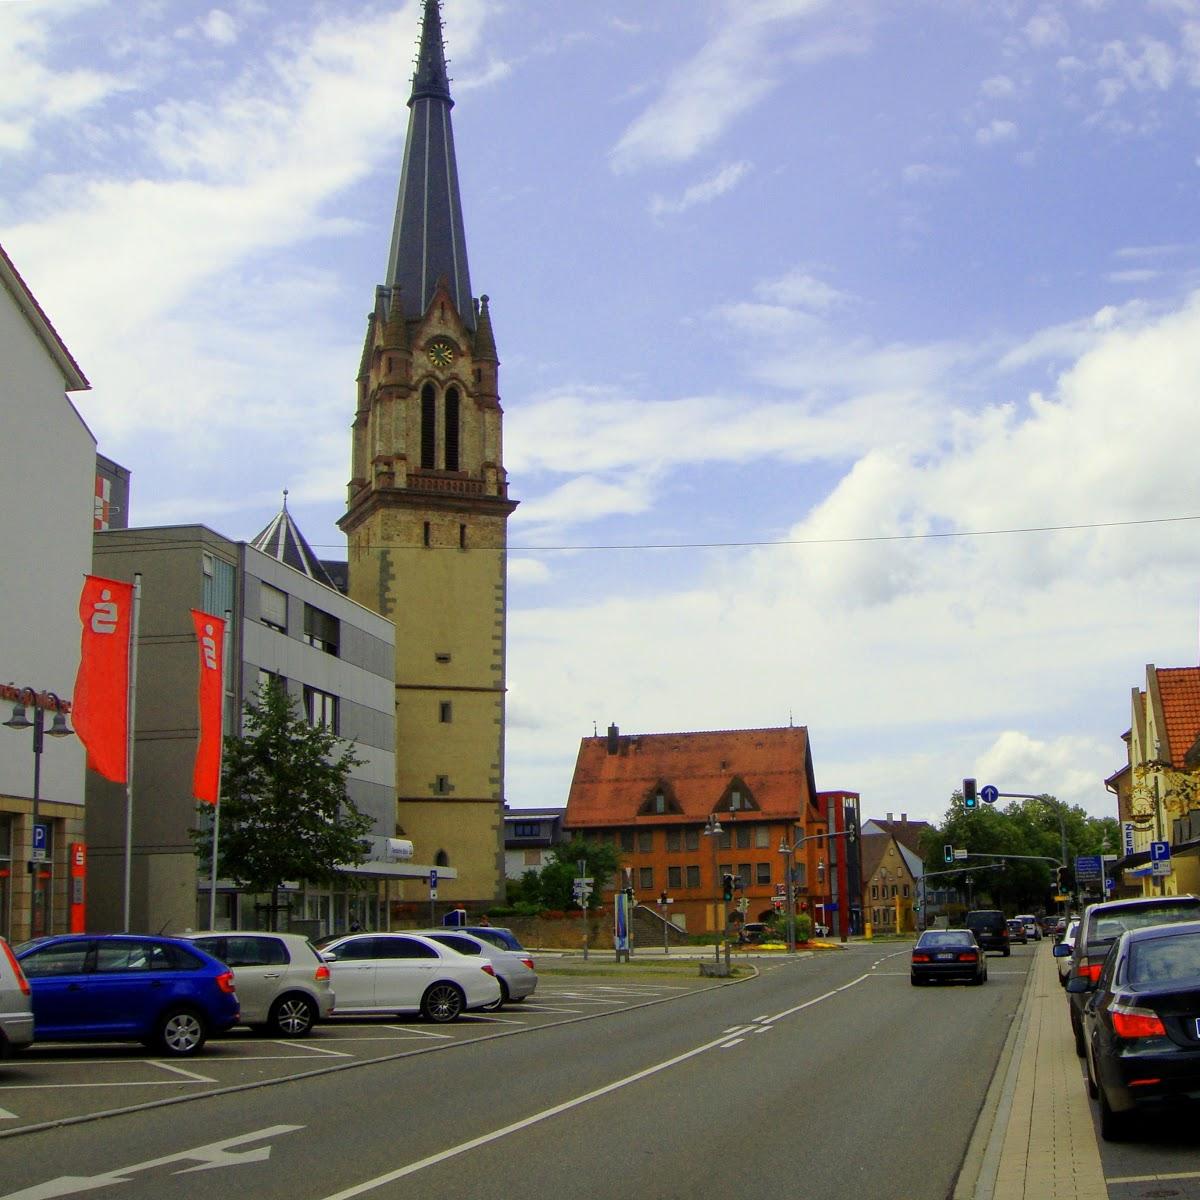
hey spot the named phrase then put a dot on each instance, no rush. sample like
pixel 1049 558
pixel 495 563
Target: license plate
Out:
pixel 1198 1028
pixel 945 957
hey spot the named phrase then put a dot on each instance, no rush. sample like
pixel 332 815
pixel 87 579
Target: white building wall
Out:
pixel 47 482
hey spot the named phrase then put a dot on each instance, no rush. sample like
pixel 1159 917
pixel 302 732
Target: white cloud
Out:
pixel 996 131
pixel 799 289
pixel 704 192
pixel 998 87
pixel 1046 29
pixel 219 27
pixel 931 174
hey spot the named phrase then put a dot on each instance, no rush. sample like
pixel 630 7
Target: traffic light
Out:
pixel 727 882
pixel 970 797
pixel 629 894
pixel 948 853
pixel 662 898
pixel 1066 879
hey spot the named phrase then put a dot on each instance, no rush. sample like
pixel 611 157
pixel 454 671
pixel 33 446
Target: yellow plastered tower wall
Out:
pixel 428 508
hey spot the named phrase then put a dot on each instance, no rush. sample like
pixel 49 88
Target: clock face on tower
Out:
pixel 440 352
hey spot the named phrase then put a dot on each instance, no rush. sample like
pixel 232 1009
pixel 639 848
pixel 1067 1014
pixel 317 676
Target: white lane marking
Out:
pixel 186 1074
pixel 722 1043
pixel 763 1029
pixel 540 1008
pixel 314 1049
pixel 215 1154
pixel 66 1087
pixel 735 1042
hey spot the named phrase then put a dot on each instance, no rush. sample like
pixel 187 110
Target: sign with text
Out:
pixel 1089 868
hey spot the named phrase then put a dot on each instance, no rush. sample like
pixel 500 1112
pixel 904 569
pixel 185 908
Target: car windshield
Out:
pixel 1166 960
pixel 1110 925
pixel 944 937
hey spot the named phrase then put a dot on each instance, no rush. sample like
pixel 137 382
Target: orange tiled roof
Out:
pixel 775 766
pixel 1179 690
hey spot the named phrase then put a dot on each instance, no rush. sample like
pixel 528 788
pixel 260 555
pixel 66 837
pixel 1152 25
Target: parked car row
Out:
pixel 1133 992
pixel 173 993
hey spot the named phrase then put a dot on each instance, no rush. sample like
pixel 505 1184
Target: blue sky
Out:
pixel 772 281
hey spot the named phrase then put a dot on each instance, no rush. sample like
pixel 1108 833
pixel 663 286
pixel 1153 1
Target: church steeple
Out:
pixel 428 238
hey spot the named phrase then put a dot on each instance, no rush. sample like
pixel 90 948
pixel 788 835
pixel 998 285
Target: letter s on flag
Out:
pixel 210 636
pixel 100 705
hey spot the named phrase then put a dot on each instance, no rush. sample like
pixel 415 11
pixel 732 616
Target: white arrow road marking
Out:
pixel 5 1115
pixel 215 1154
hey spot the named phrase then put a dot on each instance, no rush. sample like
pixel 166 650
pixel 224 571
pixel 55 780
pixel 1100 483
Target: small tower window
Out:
pixel 426 533
pixel 428 427
pixel 462 537
pixel 452 429
pixel 446 712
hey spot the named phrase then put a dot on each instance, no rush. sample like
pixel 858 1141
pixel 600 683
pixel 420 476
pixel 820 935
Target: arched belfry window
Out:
pixel 428 427
pixel 442 859
pixel 452 429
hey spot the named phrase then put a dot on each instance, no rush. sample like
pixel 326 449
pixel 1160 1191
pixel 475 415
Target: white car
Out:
pixel 283 984
pixel 514 968
pixel 406 973
pixel 1063 961
pixel 1033 928
pixel 16 1004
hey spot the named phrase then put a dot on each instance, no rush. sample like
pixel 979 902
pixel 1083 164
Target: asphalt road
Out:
pixel 827 1076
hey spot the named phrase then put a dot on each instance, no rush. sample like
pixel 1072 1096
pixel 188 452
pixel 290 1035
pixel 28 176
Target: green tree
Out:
pixel 285 813
pixel 602 861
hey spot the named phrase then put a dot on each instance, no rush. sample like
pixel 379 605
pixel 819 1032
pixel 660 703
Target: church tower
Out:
pixel 427 511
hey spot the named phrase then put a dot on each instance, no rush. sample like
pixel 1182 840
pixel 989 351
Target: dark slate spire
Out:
pixel 428 239
pixel 283 540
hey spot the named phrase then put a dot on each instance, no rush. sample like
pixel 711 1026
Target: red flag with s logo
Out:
pixel 100 705
pixel 206 776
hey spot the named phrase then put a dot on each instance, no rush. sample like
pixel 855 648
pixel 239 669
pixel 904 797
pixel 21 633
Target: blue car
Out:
pixel 161 991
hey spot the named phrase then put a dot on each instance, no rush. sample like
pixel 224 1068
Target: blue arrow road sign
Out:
pixel 989 794
pixel 1160 851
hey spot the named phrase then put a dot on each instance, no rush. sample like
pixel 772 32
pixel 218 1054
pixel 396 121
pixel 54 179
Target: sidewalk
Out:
pixel 1035 1138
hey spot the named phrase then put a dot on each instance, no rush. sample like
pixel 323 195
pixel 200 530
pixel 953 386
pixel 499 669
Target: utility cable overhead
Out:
pixel 813 541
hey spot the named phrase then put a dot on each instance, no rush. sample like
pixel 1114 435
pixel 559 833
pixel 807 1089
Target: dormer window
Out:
pixel 737 798
pixel 660 800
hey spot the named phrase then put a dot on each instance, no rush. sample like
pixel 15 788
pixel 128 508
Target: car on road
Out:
pixel 1101 925
pixel 1016 931
pixel 164 992
pixel 1141 1025
pixel 282 982
pixel 515 970
pixel 406 973
pixel 1033 930
pixel 951 954
pixel 990 929
pixel 16 1004
pixel 1062 959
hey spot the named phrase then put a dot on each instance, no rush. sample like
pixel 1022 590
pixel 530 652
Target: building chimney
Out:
pixel 904 818
pixel 889 817
pixel 613 734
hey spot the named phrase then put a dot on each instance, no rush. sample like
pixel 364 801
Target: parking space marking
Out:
pixel 314 1049
pixel 5 1115
pixel 186 1074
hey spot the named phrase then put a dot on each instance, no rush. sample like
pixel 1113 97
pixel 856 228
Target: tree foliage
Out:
pixel 285 813
pixel 551 889
pixel 1030 827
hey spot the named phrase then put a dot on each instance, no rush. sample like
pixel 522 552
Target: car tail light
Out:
pixel 528 962
pixel 322 973
pixel 968 956
pixel 22 982
pixel 1004 932
pixel 1131 1022
pixel 1090 970
pixel 225 983
pixel 1144 1082
pixel 489 969
pixel 920 957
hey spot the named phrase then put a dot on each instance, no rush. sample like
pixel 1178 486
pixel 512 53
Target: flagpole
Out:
pixel 131 715
pixel 212 885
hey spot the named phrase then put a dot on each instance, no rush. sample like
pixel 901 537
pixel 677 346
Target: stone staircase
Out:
pixel 647 928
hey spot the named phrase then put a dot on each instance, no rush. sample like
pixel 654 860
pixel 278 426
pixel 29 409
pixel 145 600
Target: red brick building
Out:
pixel 653 796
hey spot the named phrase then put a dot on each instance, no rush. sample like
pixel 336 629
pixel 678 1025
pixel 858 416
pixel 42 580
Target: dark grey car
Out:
pixel 16 1004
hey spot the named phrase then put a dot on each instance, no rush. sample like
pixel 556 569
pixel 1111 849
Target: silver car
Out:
pixel 1063 958
pixel 16 1004
pixel 282 983
pixel 514 968
pixel 406 973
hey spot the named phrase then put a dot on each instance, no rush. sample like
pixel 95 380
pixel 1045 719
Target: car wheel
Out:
pixel 1006 951
pixel 1114 1127
pixel 500 1000
pixel 915 981
pixel 293 1016
pixel 1077 1030
pixel 443 1002
pixel 180 1033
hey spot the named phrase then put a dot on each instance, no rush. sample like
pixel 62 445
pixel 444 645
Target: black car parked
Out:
pixel 1141 1025
pixel 1101 925
pixel 990 929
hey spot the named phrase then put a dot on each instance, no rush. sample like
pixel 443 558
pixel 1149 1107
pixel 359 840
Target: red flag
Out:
pixel 206 777
pixel 100 706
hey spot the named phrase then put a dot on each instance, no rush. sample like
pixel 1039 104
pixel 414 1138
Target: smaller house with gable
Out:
pixel 660 798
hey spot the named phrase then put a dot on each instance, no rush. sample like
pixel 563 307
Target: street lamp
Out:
pixel 712 829
pixel 58 729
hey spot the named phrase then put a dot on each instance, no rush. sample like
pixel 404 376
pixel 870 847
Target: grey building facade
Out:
pixel 334 658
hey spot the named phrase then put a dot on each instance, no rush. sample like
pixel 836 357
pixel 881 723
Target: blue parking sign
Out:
pixel 1160 851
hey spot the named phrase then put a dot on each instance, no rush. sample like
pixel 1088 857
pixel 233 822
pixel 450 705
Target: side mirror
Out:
pixel 1080 984
pixel 1060 950
pixel 329 956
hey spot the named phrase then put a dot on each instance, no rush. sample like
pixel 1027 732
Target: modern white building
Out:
pixel 47 486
